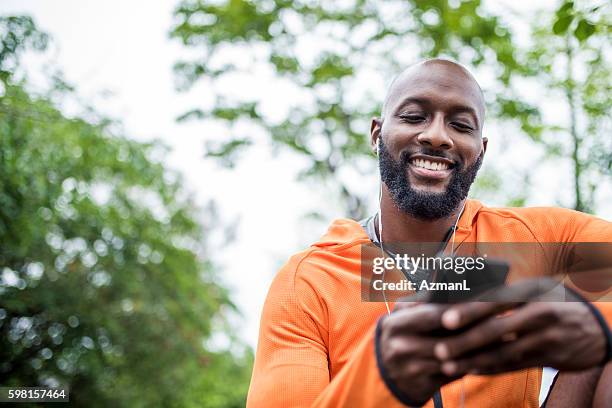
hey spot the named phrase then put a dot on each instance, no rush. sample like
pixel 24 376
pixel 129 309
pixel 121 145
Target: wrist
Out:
pixel 387 380
pixel 601 321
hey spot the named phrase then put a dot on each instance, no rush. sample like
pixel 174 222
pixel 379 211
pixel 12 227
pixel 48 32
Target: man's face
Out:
pixel 431 145
pixel 424 204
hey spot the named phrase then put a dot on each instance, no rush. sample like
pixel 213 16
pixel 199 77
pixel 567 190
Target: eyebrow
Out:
pixel 426 101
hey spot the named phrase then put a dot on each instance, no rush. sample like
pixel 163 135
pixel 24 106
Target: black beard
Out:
pixel 424 205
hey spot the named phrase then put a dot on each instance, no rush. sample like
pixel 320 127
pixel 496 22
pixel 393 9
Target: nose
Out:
pixel 436 135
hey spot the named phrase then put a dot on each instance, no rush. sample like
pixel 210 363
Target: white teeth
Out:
pixel 426 164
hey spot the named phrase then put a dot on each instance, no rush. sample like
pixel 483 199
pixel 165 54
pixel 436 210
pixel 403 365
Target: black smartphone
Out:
pixel 452 285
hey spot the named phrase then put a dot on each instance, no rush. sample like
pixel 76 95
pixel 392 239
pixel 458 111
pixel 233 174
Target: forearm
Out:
pixel 574 389
pixel 603 393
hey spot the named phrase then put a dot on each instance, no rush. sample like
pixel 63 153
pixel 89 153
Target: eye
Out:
pixel 462 127
pixel 412 118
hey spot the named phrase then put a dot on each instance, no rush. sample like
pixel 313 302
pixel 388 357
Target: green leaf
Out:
pixel 190 115
pixel 566 8
pixel 584 30
pixel 226 152
pixel 562 24
pixel 284 63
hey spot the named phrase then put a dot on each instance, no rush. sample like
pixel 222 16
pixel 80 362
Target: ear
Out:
pixel 375 129
pixel 485 141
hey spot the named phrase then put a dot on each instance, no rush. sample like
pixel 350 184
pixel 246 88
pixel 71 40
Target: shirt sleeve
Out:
pixel 291 363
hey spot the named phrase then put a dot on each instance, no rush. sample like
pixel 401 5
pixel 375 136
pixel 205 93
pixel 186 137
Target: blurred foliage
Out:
pixel 570 58
pixel 325 49
pixel 333 52
pixel 17 33
pixel 105 283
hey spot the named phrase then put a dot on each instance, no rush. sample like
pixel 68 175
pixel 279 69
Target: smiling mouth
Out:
pixel 430 168
pixel 430 164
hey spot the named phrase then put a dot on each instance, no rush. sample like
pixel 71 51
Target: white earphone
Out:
pixel 380 229
pixel 382 251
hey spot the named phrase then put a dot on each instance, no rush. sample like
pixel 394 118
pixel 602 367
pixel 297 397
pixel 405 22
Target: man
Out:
pixel 321 345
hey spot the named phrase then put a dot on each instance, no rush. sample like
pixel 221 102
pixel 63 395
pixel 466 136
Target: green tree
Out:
pixel 338 56
pixel 569 60
pixel 106 285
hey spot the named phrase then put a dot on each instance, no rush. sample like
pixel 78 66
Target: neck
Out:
pixel 401 227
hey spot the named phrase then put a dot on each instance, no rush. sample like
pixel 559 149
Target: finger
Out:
pixel 420 318
pixel 527 351
pixel 465 314
pixel 420 367
pixel 491 331
pixel 498 300
pixel 399 349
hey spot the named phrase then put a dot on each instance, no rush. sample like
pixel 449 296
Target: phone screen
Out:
pixel 459 287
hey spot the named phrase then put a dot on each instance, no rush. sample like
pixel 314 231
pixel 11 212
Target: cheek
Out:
pixel 396 138
pixel 469 150
pixel 392 141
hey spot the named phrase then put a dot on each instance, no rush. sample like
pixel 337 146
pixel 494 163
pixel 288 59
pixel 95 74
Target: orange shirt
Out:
pixel 316 339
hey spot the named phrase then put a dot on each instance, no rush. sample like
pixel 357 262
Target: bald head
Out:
pixel 441 74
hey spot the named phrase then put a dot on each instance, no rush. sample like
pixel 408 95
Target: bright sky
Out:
pixel 123 47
